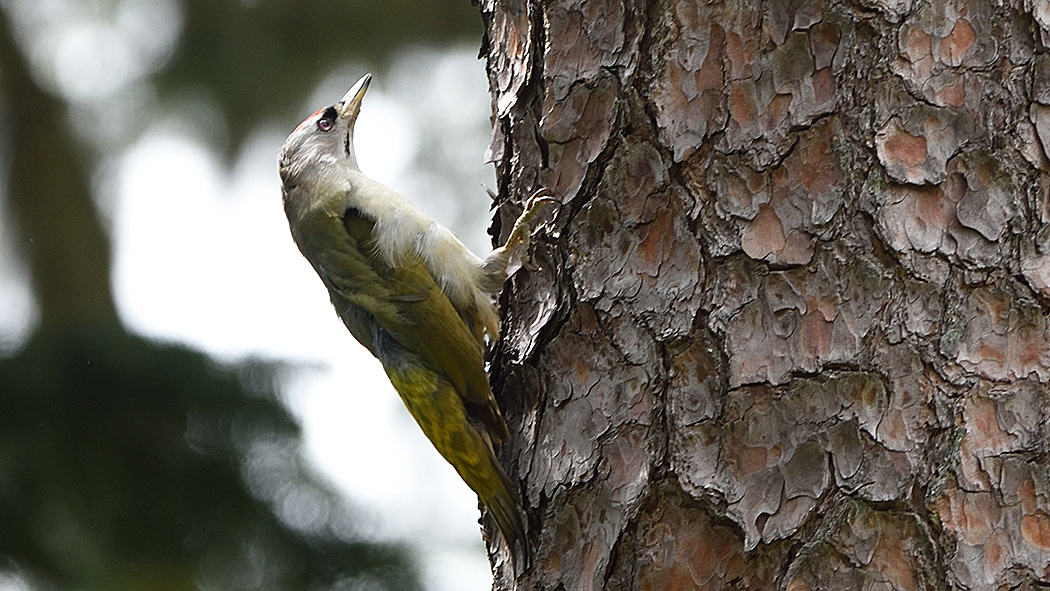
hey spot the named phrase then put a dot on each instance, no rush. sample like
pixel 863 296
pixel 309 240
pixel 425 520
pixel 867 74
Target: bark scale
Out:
pixel 788 328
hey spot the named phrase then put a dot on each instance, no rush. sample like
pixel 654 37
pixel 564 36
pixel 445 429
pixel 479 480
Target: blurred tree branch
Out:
pixel 48 193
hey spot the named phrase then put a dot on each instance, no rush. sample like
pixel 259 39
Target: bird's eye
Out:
pixel 327 120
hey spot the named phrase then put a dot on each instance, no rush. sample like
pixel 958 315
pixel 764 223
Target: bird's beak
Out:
pixel 350 105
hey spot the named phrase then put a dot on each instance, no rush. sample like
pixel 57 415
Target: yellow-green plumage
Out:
pixel 431 357
pixel 411 293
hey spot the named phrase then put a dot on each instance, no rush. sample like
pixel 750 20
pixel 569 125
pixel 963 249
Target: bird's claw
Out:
pixel 521 233
pixel 522 227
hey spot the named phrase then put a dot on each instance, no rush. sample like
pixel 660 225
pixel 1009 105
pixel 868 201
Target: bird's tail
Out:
pixel 462 437
pixel 502 505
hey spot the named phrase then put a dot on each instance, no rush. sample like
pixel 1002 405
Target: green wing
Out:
pixel 404 302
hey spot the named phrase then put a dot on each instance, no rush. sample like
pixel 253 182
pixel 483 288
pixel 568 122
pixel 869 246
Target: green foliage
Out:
pixel 120 468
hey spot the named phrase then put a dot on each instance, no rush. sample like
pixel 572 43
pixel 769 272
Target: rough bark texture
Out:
pixel 788 328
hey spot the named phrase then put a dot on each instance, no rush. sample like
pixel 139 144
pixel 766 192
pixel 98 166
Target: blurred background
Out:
pixel 180 408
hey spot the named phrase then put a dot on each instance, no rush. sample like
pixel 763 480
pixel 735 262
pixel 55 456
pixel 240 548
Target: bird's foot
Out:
pixel 521 233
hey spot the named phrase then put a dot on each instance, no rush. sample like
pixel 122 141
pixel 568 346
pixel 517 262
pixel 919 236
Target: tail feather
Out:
pixel 461 439
pixel 502 504
pixel 462 429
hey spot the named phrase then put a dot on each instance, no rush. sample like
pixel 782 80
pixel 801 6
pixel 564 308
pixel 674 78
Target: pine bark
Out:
pixel 788 326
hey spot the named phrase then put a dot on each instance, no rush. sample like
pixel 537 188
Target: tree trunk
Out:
pixel 50 199
pixel 788 327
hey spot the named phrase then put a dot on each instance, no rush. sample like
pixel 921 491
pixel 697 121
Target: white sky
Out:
pixel 203 256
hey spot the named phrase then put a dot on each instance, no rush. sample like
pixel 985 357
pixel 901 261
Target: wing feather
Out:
pixel 405 302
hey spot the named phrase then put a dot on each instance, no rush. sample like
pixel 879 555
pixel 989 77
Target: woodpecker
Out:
pixel 409 291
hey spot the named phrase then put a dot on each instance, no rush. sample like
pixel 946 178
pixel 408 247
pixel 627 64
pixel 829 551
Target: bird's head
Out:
pixel 323 143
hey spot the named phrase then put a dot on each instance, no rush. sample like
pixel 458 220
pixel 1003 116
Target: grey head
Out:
pixel 323 144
